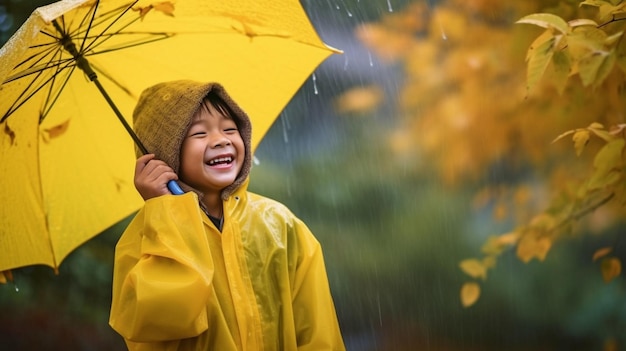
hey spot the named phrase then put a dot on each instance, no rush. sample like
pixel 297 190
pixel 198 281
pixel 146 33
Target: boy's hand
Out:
pixel 151 177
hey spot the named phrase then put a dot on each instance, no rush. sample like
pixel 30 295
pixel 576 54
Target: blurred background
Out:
pixel 405 155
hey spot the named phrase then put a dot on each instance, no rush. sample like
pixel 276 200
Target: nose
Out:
pixel 219 140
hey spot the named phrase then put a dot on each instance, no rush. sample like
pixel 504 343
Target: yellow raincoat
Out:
pixel 260 284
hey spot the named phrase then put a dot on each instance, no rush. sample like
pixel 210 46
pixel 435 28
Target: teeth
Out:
pixel 220 160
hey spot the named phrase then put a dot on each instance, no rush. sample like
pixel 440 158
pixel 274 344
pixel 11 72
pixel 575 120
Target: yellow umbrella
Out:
pixel 66 162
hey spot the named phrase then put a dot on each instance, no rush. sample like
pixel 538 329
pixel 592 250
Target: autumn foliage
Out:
pixel 531 91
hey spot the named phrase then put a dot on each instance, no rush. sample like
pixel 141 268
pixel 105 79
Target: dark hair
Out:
pixel 220 105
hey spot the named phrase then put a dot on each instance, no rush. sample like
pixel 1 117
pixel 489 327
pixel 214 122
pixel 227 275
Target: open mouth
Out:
pixel 220 161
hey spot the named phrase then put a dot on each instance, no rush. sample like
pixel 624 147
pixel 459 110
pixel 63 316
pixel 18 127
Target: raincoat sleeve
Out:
pixel 315 317
pixel 163 272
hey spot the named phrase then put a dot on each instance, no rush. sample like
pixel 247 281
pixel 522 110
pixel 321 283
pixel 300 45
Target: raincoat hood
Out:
pixel 163 115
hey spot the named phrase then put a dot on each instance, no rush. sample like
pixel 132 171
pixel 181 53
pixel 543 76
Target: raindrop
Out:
pixel 284 120
pixel 285 136
pixel 16 288
pixel 315 91
pixel 255 161
pixel 345 62
pixel 369 56
pixel 443 33
pixel 389 6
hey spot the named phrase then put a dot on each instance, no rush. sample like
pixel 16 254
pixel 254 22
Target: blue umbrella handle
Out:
pixel 174 188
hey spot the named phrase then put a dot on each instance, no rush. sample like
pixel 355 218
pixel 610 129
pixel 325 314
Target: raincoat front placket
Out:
pixel 240 285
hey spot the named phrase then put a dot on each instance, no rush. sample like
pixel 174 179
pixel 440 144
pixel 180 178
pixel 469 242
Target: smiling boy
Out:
pixel 217 268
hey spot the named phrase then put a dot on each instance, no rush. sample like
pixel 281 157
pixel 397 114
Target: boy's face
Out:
pixel 212 152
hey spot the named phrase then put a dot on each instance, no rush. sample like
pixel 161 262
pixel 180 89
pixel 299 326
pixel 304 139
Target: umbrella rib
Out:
pixel 38 69
pixel 49 103
pixel 113 13
pixel 15 107
pixel 48 48
pixel 155 37
pixel 28 91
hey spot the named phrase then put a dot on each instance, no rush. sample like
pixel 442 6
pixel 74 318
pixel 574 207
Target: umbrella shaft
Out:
pixel 121 117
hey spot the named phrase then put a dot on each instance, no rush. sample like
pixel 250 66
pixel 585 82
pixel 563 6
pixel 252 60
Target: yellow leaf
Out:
pixel 8 131
pixel 470 292
pixel 538 62
pixel 56 131
pixel 509 238
pixel 489 262
pixel 580 138
pixel 614 38
pixel 496 244
pixel 6 276
pixel 474 268
pixel 601 253
pixel 545 36
pixel 546 20
pixel 563 135
pixel 531 247
pixel 582 22
pixel 360 100
pixel 596 125
pixel 598 130
pixel 611 268
pixel 165 7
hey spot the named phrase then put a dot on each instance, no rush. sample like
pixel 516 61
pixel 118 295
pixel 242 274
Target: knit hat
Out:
pixel 163 115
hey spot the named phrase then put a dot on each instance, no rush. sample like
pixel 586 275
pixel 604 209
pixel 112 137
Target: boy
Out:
pixel 217 268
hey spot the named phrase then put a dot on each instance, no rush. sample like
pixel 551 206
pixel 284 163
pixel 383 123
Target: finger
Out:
pixel 141 163
pixel 155 168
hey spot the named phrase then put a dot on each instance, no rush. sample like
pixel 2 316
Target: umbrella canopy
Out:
pixel 66 162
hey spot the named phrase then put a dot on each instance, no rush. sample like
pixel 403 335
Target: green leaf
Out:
pixel 610 155
pixel 546 20
pixel 582 42
pixel 620 53
pixel 607 11
pixel 588 67
pixel 605 68
pixel 562 69
pixel 607 164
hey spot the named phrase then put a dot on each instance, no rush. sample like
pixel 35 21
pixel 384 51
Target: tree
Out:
pixel 482 116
